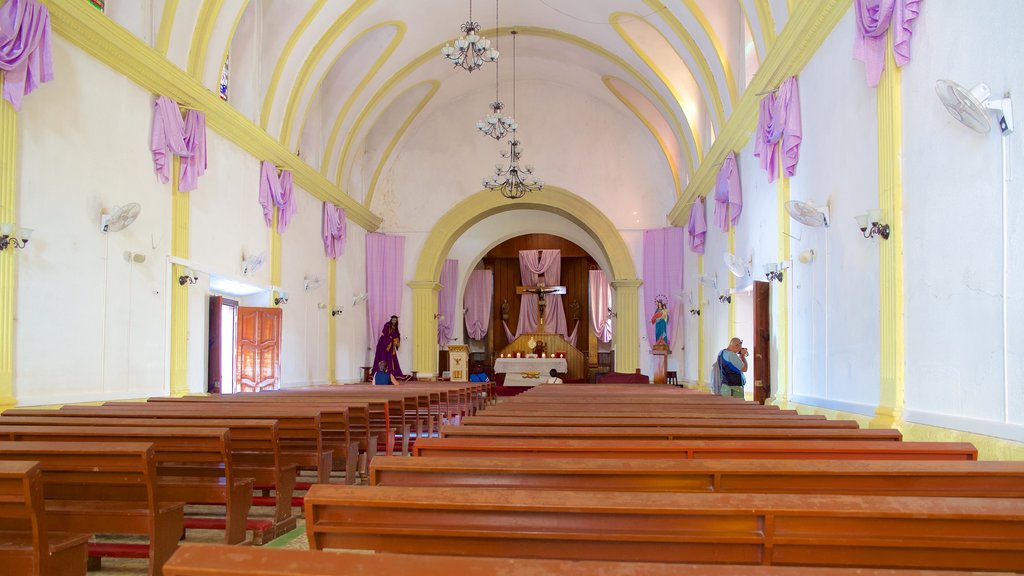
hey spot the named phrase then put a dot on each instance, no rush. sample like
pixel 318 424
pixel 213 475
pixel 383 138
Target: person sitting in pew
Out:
pixel 382 377
pixel 732 363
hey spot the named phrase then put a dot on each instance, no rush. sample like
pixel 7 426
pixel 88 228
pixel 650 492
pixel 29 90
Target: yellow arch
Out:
pixel 163 36
pixel 525 30
pixel 286 53
pixel 672 163
pixel 746 18
pixel 231 36
pixel 205 24
pixel 705 24
pixel 767 22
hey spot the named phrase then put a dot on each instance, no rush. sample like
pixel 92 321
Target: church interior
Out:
pixel 305 198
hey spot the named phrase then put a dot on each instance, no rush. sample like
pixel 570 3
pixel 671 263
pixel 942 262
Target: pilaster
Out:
pixel 332 337
pixel 8 200
pixel 179 293
pixel 627 324
pixel 424 321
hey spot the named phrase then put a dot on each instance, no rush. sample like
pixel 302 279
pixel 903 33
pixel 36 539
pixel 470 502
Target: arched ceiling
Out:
pixel 344 82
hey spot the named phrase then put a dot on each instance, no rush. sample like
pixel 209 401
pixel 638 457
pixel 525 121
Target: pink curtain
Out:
pixel 446 301
pixel 874 17
pixel 530 267
pixel 478 301
pixel 600 301
pixel 275 191
pixel 334 230
pixel 765 137
pixel 385 258
pixel 787 117
pixel 193 164
pixel 663 275
pixel 728 195
pixel 25 53
pixel 575 333
pixel 697 228
pixel 168 136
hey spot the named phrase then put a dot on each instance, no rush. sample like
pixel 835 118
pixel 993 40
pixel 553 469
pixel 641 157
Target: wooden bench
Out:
pixel 697 449
pixel 889 478
pixel 216 560
pixel 105 488
pixel 27 545
pixel 655 410
pixel 602 422
pixel 775 529
pixel 667 433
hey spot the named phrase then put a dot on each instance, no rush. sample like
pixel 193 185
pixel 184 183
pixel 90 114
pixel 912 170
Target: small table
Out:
pixel 528 371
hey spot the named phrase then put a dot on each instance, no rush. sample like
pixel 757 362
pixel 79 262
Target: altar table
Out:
pixel 528 371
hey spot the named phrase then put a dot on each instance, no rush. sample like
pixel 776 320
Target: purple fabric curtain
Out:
pixel 765 137
pixel 278 192
pixel 575 333
pixel 446 301
pixel 193 164
pixel 600 301
pixel 663 276
pixel 787 118
pixel 874 17
pixel 168 136
pixel 385 258
pixel 477 301
pixel 530 267
pixel 25 53
pixel 697 228
pixel 728 195
pixel 334 230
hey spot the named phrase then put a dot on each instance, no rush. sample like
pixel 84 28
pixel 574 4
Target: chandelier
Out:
pixel 471 50
pixel 496 124
pixel 514 181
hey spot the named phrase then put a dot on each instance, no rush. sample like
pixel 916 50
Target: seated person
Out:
pixel 381 376
pixel 554 379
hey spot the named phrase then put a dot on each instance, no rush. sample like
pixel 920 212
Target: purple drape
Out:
pixel 477 301
pixel 874 17
pixel 275 191
pixel 25 53
pixel 193 164
pixel 787 118
pixel 446 301
pixel 663 276
pixel 385 258
pixel 728 195
pixel 334 230
pixel 530 267
pixel 600 302
pixel 168 136
pixel 765 137
pixel 697 228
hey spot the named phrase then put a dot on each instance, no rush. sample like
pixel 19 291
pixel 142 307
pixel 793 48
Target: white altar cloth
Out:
pixel 528 371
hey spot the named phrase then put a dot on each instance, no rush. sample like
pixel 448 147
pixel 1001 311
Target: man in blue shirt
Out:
pixel 381 376
pixel 733 363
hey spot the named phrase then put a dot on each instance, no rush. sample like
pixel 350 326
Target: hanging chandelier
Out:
pixel 514 181
pixel 471 50
pixel 496 124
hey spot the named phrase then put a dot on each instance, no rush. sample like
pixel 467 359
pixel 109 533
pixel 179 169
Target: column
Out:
pixel 424 321
pixel 8 200
pixel 179 293
pixel 780 296
pixel 627 324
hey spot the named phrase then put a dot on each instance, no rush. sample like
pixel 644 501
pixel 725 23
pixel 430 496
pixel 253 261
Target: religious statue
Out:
pixel 541 291
pixel 660 321
pixel 387 351
pixel 574 308
pixel 504 309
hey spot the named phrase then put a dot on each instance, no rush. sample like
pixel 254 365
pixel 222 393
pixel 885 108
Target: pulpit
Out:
pixel 458 359
pixel 660 365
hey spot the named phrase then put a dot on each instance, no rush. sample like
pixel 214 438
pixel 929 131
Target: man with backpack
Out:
pixel 732 363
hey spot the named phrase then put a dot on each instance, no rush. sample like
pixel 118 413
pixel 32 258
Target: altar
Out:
pixel 528 371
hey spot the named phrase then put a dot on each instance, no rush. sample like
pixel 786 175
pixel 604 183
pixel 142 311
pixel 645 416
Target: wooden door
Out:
pixel 258 357
pixel 762 341
pixel 213 371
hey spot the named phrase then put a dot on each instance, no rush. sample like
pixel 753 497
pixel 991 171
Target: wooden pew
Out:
pixel 27 545
pixel 485 419
pixel 215 560
pixel 667 433
pixel 889 478
pixel 105 487
pixel 775 529
pixel 697 449
pixel 613 411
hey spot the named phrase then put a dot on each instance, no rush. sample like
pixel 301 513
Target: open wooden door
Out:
pixel 258 358
pixel 213 367
pixel 762 341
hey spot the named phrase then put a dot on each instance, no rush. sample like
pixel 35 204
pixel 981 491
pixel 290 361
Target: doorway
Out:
pixel 223 341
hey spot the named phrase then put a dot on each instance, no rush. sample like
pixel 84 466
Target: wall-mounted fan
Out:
pixel 120 217
pixel 736 265
pixel 359 299
pixel 250 264
pixel 709 281
pixel 807 213
pixel 970 107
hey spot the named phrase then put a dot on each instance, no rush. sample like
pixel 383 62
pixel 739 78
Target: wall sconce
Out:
pixel 871 224
pixel 773 270
pixel 281 298
pixel 338 311
pixel 725 298
pixel 612 314
pixel 695 311
pixel 189 277
pixel 11 236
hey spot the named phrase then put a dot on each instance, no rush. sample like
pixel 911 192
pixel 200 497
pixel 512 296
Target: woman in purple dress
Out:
pixel 387 350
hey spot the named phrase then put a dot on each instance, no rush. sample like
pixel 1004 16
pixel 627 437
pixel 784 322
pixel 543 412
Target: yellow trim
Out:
pixel 626 337
pixel 374 69
pixel 701 378
pixel 332 332
pixel 746 18
pixel 434 87
pixel 424 333
pixel 716 100
pixel 8 214
pixel 179 293
pixel 112 44
pixel 705 24
pixel 275 253
pixel 282 60
pixel 794 47
pixel 313 60
pixel 485 203
pixel 205 24
pixel 890 200
pixel 767 22
pixel 432 53
pixel 731 247
pixel 672 164
pixel 231 40
pixel 163 37
pixel 780 294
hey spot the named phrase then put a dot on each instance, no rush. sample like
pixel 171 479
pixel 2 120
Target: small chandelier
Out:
pixel 496 124
pixel 471 50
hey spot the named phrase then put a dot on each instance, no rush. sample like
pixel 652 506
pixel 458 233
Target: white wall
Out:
pixel 352 350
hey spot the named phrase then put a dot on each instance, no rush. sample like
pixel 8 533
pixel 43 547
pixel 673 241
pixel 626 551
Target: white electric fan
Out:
pixel 970 107
pixel 359 299
pixel 120 217
pixel 737 266
pixel 807 213
pixel 250 264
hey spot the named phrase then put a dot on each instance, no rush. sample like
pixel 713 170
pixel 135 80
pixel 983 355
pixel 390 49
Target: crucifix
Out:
pixel 541 291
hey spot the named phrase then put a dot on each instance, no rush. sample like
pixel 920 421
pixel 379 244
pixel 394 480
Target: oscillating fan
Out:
pixel 709 281
pixel 807 214
pixel 120 217
pixel 737 266
pixel 359 299
pixel 252 263
pixel 970 107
